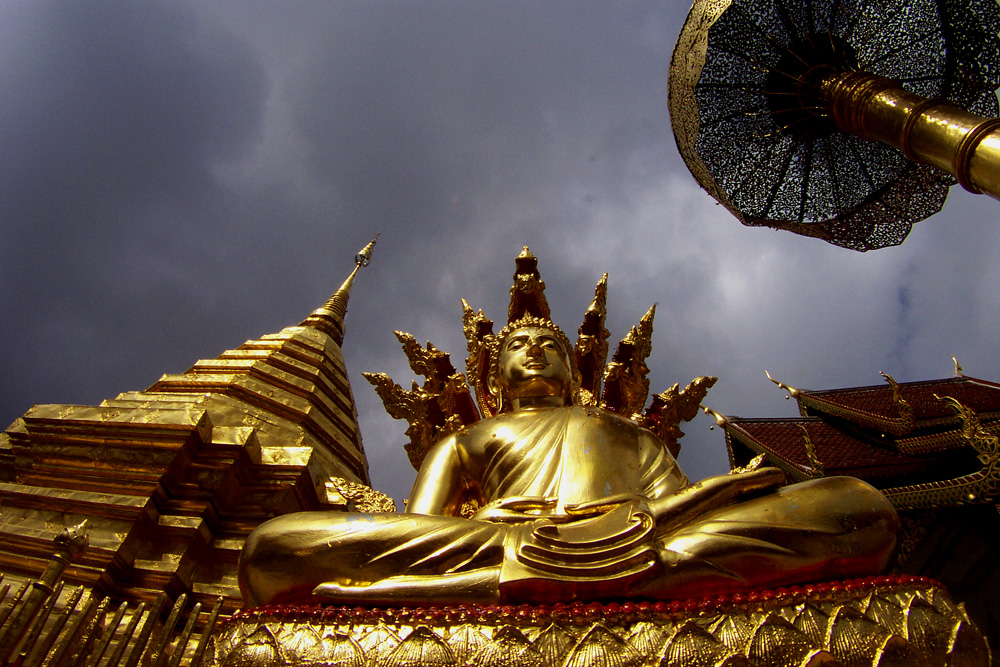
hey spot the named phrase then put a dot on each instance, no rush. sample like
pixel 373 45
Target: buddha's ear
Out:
pixel 496 391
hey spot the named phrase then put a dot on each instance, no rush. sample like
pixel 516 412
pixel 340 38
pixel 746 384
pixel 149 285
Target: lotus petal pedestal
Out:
pixel 890 620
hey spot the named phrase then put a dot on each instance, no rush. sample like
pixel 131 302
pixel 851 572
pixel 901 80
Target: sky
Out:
pixel 179 177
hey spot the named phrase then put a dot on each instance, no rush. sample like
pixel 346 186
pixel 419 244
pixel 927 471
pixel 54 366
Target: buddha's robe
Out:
pixel 826 528
pixel 575 454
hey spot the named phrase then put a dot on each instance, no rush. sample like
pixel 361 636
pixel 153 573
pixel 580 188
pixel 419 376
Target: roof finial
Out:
pixel 329 318
pixel 719 418
pixel 958 367
pixel 792 391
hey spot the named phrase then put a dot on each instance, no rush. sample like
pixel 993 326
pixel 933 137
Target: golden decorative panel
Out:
pixel 876 621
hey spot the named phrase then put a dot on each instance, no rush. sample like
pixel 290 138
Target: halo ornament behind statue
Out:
pixel 443 404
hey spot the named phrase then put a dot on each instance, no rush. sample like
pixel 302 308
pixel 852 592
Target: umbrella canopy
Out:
pixel 773 156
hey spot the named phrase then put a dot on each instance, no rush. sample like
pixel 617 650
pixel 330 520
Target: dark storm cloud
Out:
pixel 113 115
pixel 179 177
pixel 428 116
pixel 460 129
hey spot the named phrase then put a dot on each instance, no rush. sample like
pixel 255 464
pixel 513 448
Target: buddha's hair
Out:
pixel 539 323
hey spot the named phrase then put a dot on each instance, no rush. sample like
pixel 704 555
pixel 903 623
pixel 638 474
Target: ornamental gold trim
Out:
pixel 982 486
pixel 877 621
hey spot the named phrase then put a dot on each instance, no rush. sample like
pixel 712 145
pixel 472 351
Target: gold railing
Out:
pixel 44 623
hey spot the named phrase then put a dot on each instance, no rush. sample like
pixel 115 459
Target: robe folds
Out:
pixel 825 528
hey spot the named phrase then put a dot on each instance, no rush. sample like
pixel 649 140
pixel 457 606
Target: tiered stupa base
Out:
pixel 891 620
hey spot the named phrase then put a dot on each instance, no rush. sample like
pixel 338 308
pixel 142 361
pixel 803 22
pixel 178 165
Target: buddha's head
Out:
pixel 533 365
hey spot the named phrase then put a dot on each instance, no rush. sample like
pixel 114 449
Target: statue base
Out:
pixel 888 620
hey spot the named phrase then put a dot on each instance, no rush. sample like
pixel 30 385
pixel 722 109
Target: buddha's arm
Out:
pixel 518 509
pixel 670 499
pixel 674 501
pixel 440 482
pixel 710 493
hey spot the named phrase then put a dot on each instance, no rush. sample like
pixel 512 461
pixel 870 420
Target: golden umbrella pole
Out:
pixel 931 131
pixel 793 113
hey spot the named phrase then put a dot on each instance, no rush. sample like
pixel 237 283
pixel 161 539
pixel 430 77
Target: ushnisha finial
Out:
pixel 329 318
pixel 527 294
pixel 792 391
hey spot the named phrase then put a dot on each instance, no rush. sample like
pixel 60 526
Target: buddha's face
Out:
pixel 534 363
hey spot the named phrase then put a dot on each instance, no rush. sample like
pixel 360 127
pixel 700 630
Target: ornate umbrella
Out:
pixel 838 119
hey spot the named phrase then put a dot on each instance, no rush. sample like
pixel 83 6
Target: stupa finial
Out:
pixel 329 318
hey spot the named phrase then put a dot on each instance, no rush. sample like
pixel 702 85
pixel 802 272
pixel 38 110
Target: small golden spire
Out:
pixel 329 318
pixel 792 391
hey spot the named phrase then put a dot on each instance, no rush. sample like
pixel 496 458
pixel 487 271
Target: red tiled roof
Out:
pixel 838 452
pixel 865 405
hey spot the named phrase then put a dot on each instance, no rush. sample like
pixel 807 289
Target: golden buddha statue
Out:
pixel 564 490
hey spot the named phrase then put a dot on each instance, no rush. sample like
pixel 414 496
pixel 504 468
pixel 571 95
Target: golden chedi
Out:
pixel 563 490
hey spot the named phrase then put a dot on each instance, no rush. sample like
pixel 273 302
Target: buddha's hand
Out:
pixel 606 504
pixel 516 509
pixel 352 591
pixel 711 493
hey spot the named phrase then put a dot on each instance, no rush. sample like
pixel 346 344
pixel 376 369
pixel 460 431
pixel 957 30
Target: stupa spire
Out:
pixel 329 318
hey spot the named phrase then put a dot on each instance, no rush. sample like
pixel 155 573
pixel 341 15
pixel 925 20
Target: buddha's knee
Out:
pixel 265 558
pixel 852 497
pixel 865 519
pixel 263 541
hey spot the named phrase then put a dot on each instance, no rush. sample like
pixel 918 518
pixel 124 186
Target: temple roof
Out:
pixel 837 452
pixel 875 407
pixel 906 439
